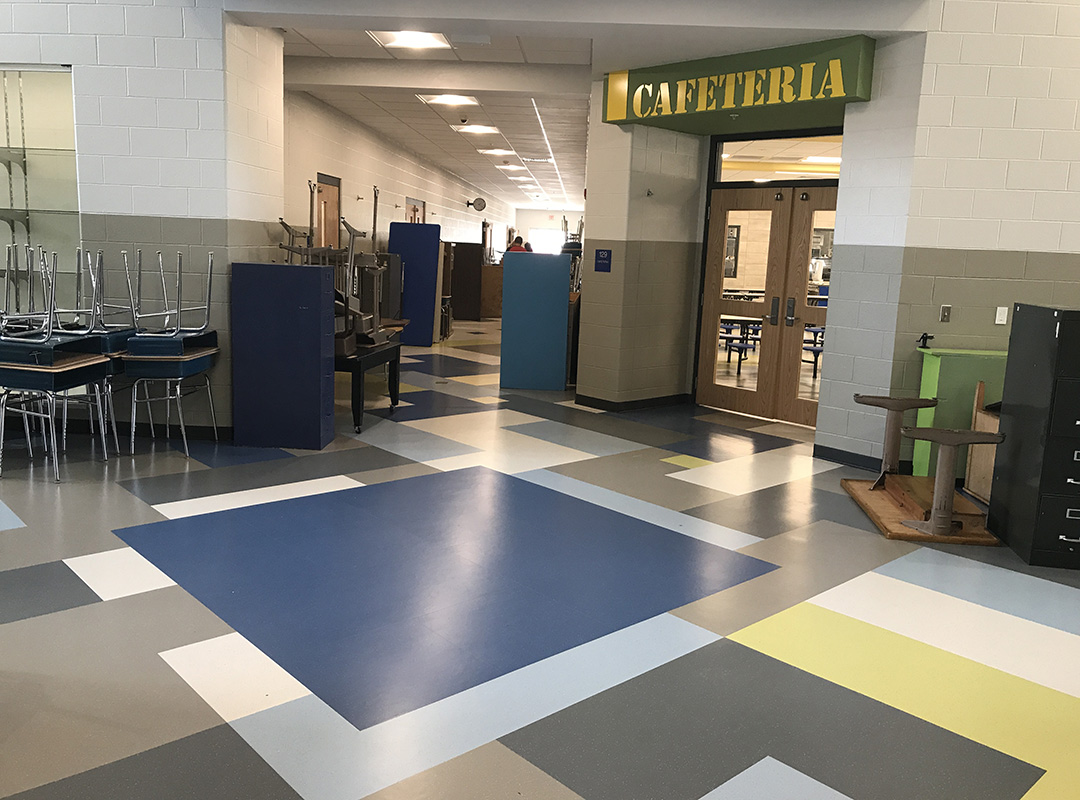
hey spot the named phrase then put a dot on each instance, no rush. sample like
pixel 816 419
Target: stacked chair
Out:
pixel 165 351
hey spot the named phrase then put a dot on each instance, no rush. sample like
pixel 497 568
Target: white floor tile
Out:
pixel 759 471
pixel 233 676
pixel 253 497
pixel 118 573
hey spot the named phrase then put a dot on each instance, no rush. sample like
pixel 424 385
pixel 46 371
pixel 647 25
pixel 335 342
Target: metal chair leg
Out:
pixel 26 432
pixel 51 402
pixel 134 407
pixel 101 421
pixel 64 436
pixel 110 411
pixel 210 400
pixel 3 415
pixel 180 416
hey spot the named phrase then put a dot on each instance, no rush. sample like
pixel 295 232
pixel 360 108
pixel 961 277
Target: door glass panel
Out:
pixel 746 255
pixel 746 262
pixel 818 275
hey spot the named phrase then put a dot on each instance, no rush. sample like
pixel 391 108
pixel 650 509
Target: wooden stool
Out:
pixel 941 516
pixel 895 406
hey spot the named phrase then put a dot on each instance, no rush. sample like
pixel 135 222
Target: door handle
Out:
pixel 774 312
pixel 1072 513
pixel 1073 481
pixel 789 320
pixel 1067 539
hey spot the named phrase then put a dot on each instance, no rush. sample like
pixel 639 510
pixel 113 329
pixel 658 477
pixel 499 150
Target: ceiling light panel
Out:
pixel 497 151
pixel 411 40
pixel 448 99
pixel 821 160
pixel 510 167
pixel 475 128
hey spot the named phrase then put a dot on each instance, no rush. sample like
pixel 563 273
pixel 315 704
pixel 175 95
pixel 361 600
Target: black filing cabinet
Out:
pixel 1035 501
pixel 282 355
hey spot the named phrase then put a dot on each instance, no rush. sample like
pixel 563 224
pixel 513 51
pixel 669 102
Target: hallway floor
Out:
pixel 494 594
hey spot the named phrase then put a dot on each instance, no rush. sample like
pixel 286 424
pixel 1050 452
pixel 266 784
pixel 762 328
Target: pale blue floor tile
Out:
pixel 597 444
pixel 404 440
pixel 658 515
pixel 9 519
pixel 323 757
pixel 1023 596
pixel 769 779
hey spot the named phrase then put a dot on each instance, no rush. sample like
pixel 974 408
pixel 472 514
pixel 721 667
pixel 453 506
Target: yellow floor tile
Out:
pixel 487 400
pixel 1012 715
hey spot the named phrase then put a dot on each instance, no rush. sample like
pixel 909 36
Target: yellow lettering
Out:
pixel 749 84
pixel 833 80
pixel 640 110
pixel 663 101
pixel 805 77
pixel 685 96
pixel 705 88
pixel 780 90
pixel 731 81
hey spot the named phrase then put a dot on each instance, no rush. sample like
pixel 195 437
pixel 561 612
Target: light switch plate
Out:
pixel 1002 316
pixel 946 314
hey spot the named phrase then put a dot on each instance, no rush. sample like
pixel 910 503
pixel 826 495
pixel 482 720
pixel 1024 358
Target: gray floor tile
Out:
pixel 167 488
pixel 782 508
pixel 678 732
pixel 642 474
pixel 41 589
pixel 491 772
pixel 84 687
pixel 811 559
pixel 393 473
pixel 67 519
pixel 213 764
pixel 610 424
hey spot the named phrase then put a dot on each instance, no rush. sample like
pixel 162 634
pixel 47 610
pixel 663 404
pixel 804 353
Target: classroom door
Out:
pixel 767 272
pixel 327 212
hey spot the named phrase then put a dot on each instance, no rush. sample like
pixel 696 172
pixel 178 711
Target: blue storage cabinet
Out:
pixel 536 298
pixel 420 249
pixel 282 355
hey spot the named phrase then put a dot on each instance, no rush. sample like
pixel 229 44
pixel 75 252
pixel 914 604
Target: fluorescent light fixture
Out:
pixel 475 128
pixel 519 177
pixel 448 100
pixel 821 160
pixel 413 40
pixel 510 167
pixel 538 160
pixel 497 151
pixel 762 180
pixel 529 187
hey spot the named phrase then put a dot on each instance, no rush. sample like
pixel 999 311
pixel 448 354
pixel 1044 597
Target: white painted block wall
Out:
pixel 149 99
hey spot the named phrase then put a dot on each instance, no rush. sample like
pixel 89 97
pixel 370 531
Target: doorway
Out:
pixel 765 301
pixel 327 211
pixel 414 210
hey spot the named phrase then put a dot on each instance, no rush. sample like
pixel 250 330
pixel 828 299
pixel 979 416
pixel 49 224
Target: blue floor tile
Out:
pixel 450 367
pixel 715 443
pixel 388 597
pixel 222 454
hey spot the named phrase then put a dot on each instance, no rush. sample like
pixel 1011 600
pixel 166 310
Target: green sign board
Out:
pixel 786 88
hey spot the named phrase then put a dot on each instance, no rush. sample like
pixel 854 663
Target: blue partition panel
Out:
pixel 536 296
pixel 421 296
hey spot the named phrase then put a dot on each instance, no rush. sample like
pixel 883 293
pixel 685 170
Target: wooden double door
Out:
pixel 767 274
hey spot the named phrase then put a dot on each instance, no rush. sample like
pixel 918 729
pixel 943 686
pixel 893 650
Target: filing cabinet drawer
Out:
pixel 1058 526
pixel 1061 467
pixel 1066 413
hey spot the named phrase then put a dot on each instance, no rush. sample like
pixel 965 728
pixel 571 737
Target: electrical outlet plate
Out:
pixel 1002 316
pixel 946 314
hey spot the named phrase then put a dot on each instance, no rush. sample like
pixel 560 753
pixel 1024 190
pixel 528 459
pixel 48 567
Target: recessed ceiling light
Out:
pixel 519 177
pixel 529 187
pixel 538 160
pixel 448 100
pixel 475 128
pixel 762 180
pixel 510 167
pixel 498 151
pixel 821 160
pixel 414 40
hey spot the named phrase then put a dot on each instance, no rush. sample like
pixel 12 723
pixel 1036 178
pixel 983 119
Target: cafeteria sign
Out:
pixel 801 86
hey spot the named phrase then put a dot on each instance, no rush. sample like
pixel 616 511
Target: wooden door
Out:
pixel 763 311
pixel 327 213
